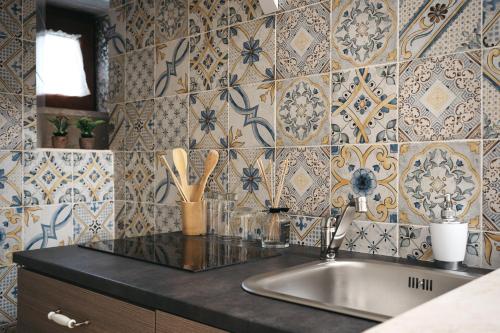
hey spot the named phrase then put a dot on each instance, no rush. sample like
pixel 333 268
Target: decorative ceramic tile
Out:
pixel 29 19
pixel 305 231
pixel 208 120
pixel 139 75
pixel 10 229
pixel 440 98
pixel 251 116
pixel 116 3
pixel 431 27
pixel 415 243
pixel 116 31
pixel 8 294
pixel 93 222
pixel 307 182
pixel 29 63
pixel 101 64
pixel 244 10
pixel 252 52
pixel 208 55
pixel 247 181
pixel 140 220
pixel 303 111
pixel 172 68
pixel 363 33
pixel 140 24
pixel 168 219
pixel 47 226
pixel 473 251
pixel 11 74
pixel 139 126
pixel 218 180
pixel 116 127
pixel 491 93
pixel 119 163
pixel 29 123
pixel 292 4
pixel 364 105
pixel 369 171
pixel 47 177
pixel 116 85
pixel 139 178
pixel 491 185
pixel 205 15
pixel 491 23
pixel 372 237
pixel 171 20
pixel 11 111
pixel 165 190
pixel 92 176
pixel 171 122
pixel 11 178
pixel 11 16
pixel 428 171
pixel 119 220
pixel 303 41
pixel 491 258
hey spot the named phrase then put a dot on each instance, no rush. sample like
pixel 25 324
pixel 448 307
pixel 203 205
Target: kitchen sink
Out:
pixel 365 288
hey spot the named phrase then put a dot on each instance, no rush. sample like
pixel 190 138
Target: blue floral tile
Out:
pixel 47 177
pixel 208 112
pixel 491 244
pixel 428 171
pixel 307 182
pixel 246 179
pixel 167 219
pixel 116 31
pixel 206 15
pixel 440 98
pixel 303 41
pixel 252 52
pixel 364 33
pixel 369 171
pixel 11 107
pixel 218 180
pixel 92 176
pixel 171 117
pixel 140 176
pixel 140 125
pixel 47 226
pixel 140 24
pixel 364 105
pixel 11 223
pixel 208 56
pixel 371 237
pixel 491 185
pixel 11 74
pixel 11 178
pixel 244 10
pixel 251 116
pixel 491 23
pixel 431 27
pixel 172 68
pixel 171 20
pixel 305 231
pixel 474 249
pixel 415 243
pixel 93 222
pixel 139 220
pixel 11 18
pixel 491 93
pixel 303 111
pixel 8 294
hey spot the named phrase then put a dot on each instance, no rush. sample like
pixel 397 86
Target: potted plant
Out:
pixel 59 136
pixel 86 127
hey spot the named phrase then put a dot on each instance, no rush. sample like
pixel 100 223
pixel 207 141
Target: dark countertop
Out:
pixel 212 297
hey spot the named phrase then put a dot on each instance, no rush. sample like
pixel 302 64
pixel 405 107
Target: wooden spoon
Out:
pixel 210 163
pixel 181 164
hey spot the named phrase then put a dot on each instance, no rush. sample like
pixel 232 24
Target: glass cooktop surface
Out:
pixel 190 253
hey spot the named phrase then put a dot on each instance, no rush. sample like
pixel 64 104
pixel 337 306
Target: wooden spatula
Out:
pixel 181 164
pixel 210 163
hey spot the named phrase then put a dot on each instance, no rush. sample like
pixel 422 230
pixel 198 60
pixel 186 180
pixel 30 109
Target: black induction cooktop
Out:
pixel 190 253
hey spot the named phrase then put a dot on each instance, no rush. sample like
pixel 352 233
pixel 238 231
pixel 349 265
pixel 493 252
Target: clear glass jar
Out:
pixel 275 229
pixel 228 204
pixel 244 224
pixel 214 208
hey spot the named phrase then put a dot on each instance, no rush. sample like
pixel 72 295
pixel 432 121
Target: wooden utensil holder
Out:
pixel 193 218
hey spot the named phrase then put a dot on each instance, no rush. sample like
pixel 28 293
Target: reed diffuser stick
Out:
pixel 267 184
pixel 284 171
pixel 163 159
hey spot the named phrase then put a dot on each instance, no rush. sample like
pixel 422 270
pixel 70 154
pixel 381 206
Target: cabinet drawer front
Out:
pixel 167 323
pixel 39 295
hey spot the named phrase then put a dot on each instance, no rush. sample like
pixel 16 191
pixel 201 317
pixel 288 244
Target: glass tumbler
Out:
pixel 228 204
pixel 275 230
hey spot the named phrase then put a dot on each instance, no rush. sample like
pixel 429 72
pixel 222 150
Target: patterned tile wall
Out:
pixel 393 100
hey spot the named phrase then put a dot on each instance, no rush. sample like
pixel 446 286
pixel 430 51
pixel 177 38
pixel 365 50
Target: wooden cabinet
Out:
pixel 39 295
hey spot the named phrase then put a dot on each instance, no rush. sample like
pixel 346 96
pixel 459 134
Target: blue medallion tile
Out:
pixel 244 10
pixel 474 249
pixel 371 237
pixel 415 243
pixel 93 222
pixel 11 178
pixel 92 176
pixel 172 68
pixel 491 185
pixel 47 226
pixel 11 223
pixel 369 171
pixel 305 231
pixel 428 171
pixel 8 295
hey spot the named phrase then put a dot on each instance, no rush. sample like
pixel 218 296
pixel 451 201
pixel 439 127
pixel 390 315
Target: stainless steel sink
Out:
pixel 369 289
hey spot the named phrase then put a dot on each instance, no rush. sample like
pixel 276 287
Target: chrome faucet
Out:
pixel 333 231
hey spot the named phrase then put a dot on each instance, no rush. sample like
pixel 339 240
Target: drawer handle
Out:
pixel 63 320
